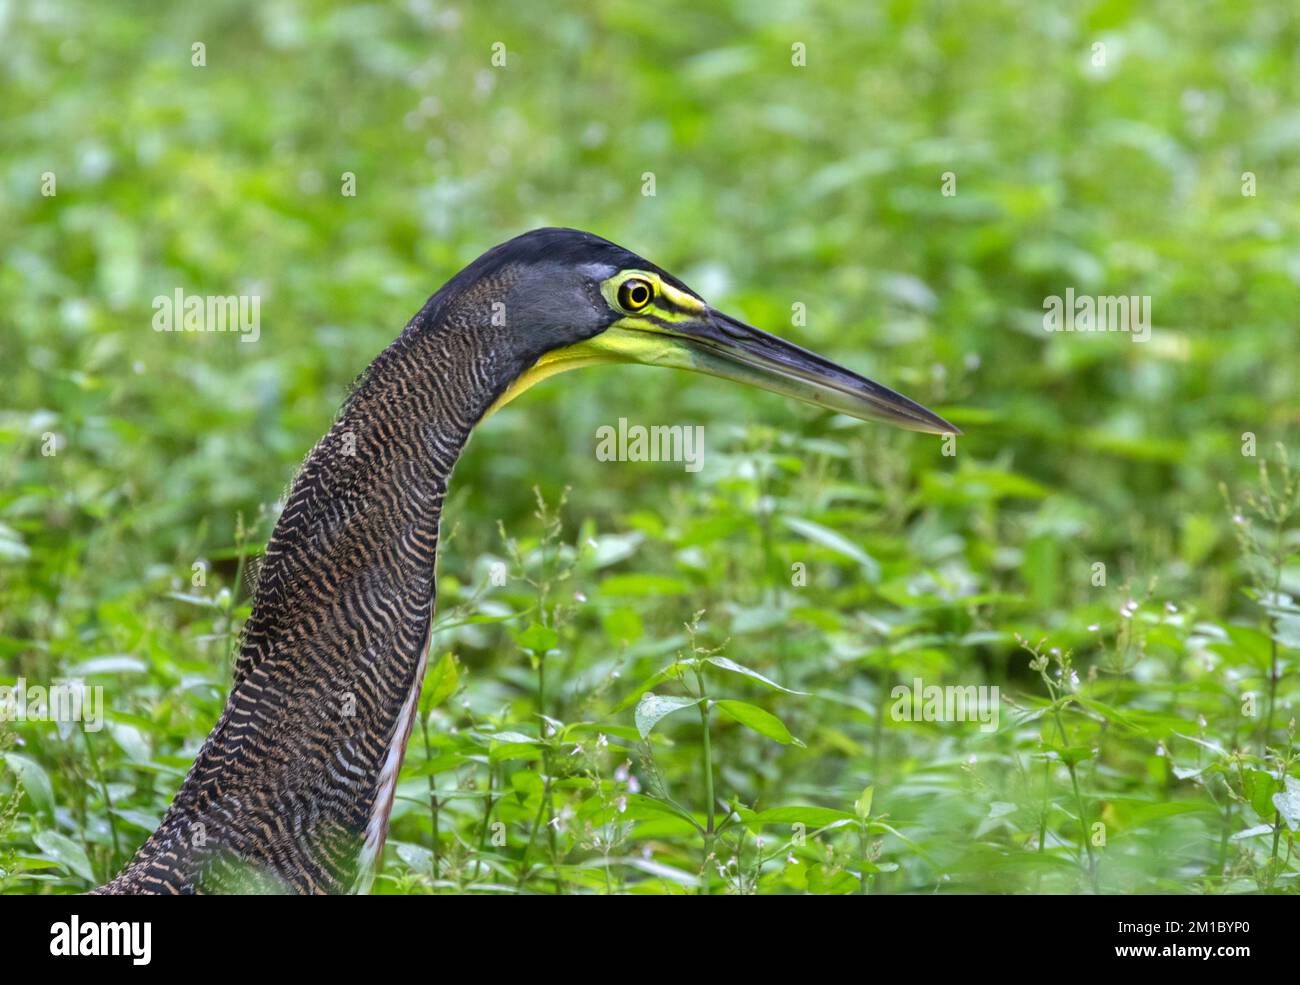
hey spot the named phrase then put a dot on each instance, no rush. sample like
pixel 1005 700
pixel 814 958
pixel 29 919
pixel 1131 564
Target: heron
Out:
pixel 291 794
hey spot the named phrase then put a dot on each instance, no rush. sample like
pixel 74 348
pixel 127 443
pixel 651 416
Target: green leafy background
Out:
pixel 1151 753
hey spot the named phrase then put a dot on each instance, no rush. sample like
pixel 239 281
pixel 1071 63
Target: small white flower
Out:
pixel 1094 628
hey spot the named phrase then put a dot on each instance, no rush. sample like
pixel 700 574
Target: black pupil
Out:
pixel 637 295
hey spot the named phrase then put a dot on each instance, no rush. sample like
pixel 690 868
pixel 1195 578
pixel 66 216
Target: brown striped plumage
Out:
pixel 292 790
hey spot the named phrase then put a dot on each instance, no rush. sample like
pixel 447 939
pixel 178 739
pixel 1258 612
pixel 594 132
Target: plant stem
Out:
pixel 1042 815
pixel 864 879
pixel 552 838
pixel 1274 671
pixel 433 798
pixel 487 821
pixel 108 800
pixel 1272 858
pixel 708 765
pixel 878 730
pixel 241 542
pixel 541 687
pixel 1074 782
pixel 532 840
pixel 709 831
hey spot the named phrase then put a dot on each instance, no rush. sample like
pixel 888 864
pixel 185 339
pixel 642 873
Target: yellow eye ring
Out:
pixel 635 293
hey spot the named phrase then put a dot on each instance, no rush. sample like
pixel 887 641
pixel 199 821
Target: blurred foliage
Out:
pixel 1156 705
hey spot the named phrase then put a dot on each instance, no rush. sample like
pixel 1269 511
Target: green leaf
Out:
pixel 761 721
pixel 641 586
pixel 862 806
pixel 202 601
pixel 653 708
pixel 417 857
pixel 131 740
pixel 440 683
pixel 836 542
pixel 1288 804
pixel 609 549
pixel 66 852
pixel 1254 832
pixel 116 663
pixel 813 817
pixel 725 664
pixel 651 682
pixel 825 881
pixel 503 751
pixel 623 627
pixel 1070 755
pixel 146 821
pixel 12 547
pixel 596 728
pixel 538 638
pixel 880 827
pixel 1259 788
pixel 1126 813
pixel 35 781
pixel 1248 645
pixel 1118 717
pixel 640 807
pixel 514 738
pixel 1286 630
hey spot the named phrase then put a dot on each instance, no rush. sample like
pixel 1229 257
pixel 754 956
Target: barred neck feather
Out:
pixel 292 790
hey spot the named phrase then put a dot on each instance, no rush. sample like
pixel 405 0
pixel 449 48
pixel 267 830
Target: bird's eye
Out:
pixel 635 294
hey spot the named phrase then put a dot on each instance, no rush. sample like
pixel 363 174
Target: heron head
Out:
pixel 577 300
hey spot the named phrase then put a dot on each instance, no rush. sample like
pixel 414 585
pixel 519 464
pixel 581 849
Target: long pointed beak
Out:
pixel 724 346
pixel 705 340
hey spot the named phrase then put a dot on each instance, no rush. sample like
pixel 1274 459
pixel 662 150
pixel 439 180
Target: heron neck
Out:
pixel 294 785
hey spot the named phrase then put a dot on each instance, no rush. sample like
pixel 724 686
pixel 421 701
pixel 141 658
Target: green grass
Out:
pixel 1146 736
